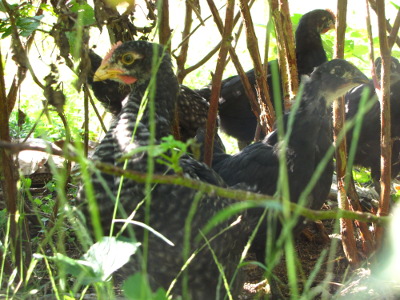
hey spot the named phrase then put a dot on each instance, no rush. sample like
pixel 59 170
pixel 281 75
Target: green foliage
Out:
pixel 26 21
pixel 85 17
pixel 362 175
pixel 168 152
pixel 137 287
pixel 99 262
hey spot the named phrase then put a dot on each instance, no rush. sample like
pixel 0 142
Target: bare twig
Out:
pixel 164 29
pixel 182 57
pixel 96 111
pixel 8 178
pixel 384 97
pixel 394 31
pixel 216 82
pixel 388 26
pixel 346 225
pixel 267 116
pixel 209 189
pixel 243 77
pixel 371 47
pixel 287 55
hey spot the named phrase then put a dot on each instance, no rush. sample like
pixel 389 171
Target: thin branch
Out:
pixel 384 97
pixel 394 31
pixel 286 45
pixel 216 82
pixel 202 61
pixel 182 57
pixel 346 225
pixel 371 47
pixel 164 28
pixel 96 111
pixel 267 115
pixel 388 26
pixel 209 189
pixel 243 77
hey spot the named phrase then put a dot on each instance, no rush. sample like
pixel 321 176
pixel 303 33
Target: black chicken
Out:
pixel 192 108
pixel 369 144
pixel 236 116
pixel 170 205
pixel 310 138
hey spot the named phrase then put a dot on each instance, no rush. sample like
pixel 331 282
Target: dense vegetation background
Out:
pixel 44 94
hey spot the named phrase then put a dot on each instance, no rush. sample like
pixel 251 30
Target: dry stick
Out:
pixel 394 31
pixel 202 61
pixel 265 63
pixel 346 225
pixel 21 72
pixel 239 31
pixel 8 177
pixel 371 46
pixel 216 82
pixel 20 240
pixel 183 72
pixel 182 57
pixel 96 111
pixel 267 116
pixel 366 236
pixel 286 52
pixel 164 28
pixel 255 107
pixel 384 97
pixel 208 189
pixel 164 36
pixel 290 50
pixel 352 196
pixel 388 26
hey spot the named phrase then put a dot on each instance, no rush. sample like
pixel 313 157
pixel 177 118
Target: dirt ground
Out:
pixel 309 248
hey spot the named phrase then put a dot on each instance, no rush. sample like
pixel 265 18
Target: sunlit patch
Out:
pixel 393 260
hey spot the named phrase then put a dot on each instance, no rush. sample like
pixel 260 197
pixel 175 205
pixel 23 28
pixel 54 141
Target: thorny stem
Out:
pixel 209 189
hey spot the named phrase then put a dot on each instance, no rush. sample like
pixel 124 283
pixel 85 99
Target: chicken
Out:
pixel 178 213
pixel 237 118
pixel 258 165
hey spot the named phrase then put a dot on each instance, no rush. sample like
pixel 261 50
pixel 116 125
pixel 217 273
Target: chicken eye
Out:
pixel 127 59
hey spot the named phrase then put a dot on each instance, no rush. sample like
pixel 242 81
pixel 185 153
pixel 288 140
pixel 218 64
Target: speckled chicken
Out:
pixel 192 108
pixel 236 116
pixel 175 211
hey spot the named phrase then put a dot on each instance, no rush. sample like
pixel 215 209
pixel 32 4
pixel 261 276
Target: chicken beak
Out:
pixel 104 72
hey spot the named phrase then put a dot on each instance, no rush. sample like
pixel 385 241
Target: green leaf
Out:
pixel 7 32
pixel 99 262
pixel 28 25
pixel 109 255
pixel 85 13
pixel 3 9
pixel 137 287
pixel 362 175
pixel 395 5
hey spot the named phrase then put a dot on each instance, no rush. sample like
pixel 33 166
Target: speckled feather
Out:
pixel 192 108
pixel 170 204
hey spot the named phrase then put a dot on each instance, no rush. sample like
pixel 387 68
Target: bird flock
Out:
pixel 124 79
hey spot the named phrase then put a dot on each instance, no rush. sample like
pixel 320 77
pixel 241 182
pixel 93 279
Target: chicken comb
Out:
pixel 110 52
pixel 331 12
